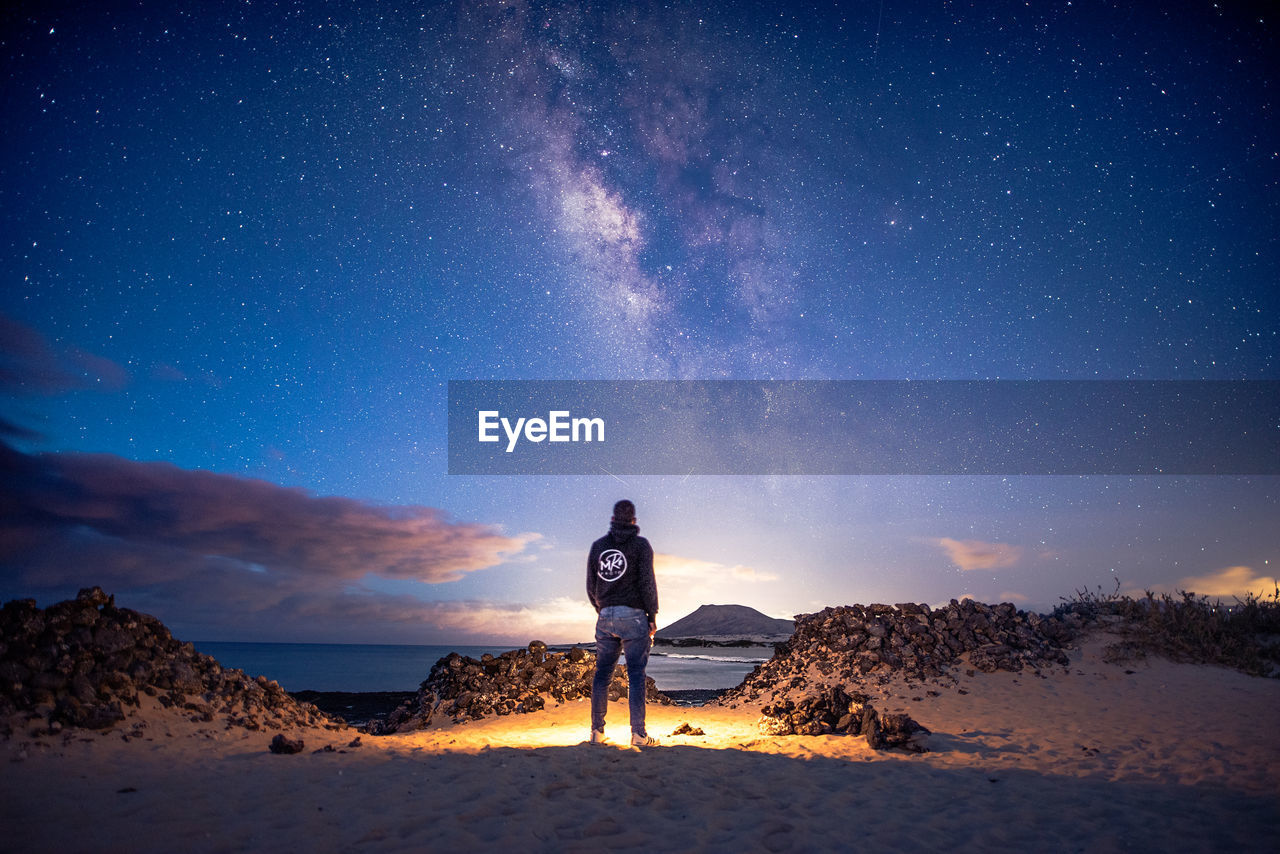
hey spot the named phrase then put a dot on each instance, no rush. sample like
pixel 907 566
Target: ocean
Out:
pixel 386 667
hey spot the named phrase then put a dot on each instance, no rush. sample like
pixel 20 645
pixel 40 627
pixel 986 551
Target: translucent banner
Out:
pixel 861 427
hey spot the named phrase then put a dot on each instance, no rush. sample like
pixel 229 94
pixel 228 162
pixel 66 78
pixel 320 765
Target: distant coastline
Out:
pixel 350 669
pixel 720 642
pixel 343 668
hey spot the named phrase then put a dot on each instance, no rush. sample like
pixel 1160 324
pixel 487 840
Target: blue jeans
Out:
pixel 620 629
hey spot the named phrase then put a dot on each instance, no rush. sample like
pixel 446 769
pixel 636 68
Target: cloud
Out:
pixel 252 521
pixel 1010 596
pixel 976 554
pixel 685 583
pixel 1230 581
pixel 30 365
pixel 10 430
pixel 166 372
pixel 561 620
pixel 225 603
pixel 370 615
pixel 677 569
pixel 197 538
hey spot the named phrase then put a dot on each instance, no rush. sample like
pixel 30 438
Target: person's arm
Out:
pixel 591 580
pixel 649 587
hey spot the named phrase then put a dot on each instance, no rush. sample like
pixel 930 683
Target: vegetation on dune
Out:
pixel 1185 627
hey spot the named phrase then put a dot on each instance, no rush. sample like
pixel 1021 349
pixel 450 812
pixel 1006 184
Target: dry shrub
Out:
pixel 1185 627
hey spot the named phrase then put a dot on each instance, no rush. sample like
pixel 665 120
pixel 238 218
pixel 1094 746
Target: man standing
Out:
pixel 621 587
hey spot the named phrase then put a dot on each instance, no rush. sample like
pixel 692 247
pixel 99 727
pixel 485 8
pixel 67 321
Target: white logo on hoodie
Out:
pixel 613 565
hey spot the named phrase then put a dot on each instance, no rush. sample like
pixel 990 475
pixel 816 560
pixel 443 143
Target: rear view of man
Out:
pixel 621 587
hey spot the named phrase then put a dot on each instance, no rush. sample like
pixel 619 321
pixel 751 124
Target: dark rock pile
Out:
pixel 518 681
pixel 832 710
pixel 839 649
pixel 846 644
pixel 286 746
pixel 85 663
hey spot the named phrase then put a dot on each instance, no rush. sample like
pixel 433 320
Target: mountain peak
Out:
pixel 727 621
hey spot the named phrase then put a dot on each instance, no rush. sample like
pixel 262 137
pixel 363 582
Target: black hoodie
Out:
pixel 620 571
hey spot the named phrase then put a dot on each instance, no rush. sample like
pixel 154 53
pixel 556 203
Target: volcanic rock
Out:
pixel 518 681
pixel 845 645
pixel 811 685
pixel 833 711
pixel 284 745
pixel 86 663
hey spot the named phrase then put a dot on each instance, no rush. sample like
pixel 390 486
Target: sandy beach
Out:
pixel 1091 757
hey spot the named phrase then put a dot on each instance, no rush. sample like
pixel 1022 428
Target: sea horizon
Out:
pixel 368 668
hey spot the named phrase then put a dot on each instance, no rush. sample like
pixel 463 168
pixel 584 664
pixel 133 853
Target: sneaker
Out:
pixel 638 740
pixel 597 736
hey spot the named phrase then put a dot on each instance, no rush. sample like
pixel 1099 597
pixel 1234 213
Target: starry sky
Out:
pixel 246 245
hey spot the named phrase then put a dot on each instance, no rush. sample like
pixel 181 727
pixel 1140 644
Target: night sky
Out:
pixel 246 245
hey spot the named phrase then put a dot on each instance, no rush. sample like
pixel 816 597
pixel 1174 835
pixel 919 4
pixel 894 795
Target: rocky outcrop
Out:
pixel 86 663
pixel 832 710
pixel 286 746
pixel 810 686
pixel 519 681
pixel 844 645
pixel 686 729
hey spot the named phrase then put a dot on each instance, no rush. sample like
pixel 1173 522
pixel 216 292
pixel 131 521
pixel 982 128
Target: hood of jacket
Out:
pixel 623 531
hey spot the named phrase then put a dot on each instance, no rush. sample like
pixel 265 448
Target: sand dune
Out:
pixel 1169 757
